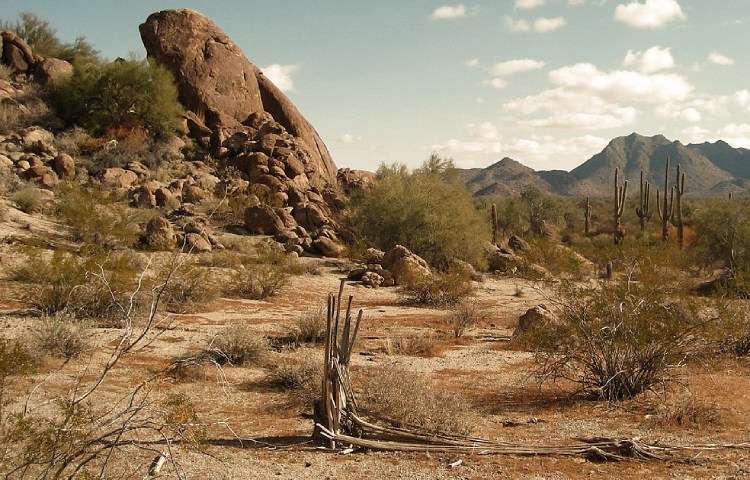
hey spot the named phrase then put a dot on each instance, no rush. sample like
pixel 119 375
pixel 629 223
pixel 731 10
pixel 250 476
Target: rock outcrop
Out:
pixel 222 89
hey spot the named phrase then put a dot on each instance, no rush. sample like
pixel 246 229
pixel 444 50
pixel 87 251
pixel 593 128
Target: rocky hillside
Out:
pixel 711 169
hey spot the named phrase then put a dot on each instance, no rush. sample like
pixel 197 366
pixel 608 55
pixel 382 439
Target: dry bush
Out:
pixel 466 315
pixel 264 275
pixel 240 345
pixel 311 326
pixel 415 344
pixel 686 411
pixel 406 400
pixel 5 72
pixel 61 336
pixel 301 376
pixel 71 283
pixel 188 286
pixel 26 110
pixel 439 289
pixel 28 200
pixel 181 421
pixel 620 339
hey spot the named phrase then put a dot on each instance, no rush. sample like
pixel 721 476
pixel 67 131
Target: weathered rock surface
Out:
pixel 405 266
pixel 223 89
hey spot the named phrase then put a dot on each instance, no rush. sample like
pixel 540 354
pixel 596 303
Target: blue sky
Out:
pixel 546 82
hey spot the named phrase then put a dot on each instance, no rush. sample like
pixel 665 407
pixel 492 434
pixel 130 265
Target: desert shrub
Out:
pixel 181 421
pixel 95 218
pixel 311 326
pixel 123 94
pixel 414 344
pixel 43 39
pixel 406 400
pixel 619 339
pixel 465 315
pixel 300 376
pixel 25 110
pixel 686 411
pixel 28 200
pixel 67 282
pixel 439 289
pixel 239 345
pixel 61 336
pixel 429 211
pixel 264 274
pixel 722 228
pixel 187 287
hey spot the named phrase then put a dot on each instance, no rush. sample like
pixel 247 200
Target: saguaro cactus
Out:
pixel 679 190
pixel 643 211
pixel 587 217
pixel 620 193
pixel 494 224
pixel 666 210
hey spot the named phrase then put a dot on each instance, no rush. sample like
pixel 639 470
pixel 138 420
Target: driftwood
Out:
pixel 339 425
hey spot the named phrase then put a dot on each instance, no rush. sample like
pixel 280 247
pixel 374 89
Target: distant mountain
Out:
pixel 710 169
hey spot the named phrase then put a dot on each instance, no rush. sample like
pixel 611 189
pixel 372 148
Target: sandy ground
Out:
pixel 258 432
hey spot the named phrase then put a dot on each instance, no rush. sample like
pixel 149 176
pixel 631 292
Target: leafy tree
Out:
pixel 723 231
pixel 124 94
pixel 43 40
pixel 429 211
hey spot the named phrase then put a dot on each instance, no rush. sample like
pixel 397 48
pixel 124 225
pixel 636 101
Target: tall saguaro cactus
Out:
pixel 620 194
pixel 679 190
pixel 666 210
pixel 587 217
pixel 643 211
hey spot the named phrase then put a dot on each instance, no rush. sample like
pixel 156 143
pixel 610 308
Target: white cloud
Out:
pixel 496 83
pixel 447 12
pixel 544 25
pixel 622 84
pixel 737 135
pixel 575 3
pixel 349 138
pixel 687 114
pixel 515 66
pixel 472 62
pixel 742 97
pixel 569 109
pixel 649 61
pixel 517 25
pixel 650 14
pixel 485 131
pixel 718 59
pixel 529 4
pixel 281 75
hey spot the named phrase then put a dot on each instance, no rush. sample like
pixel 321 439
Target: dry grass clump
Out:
pixel 414 344
pixel 311 326
pixel 28 200
pixel 406 400
pixel 301 376
pixel 187 287
pixel 240 345
pixel 60 335
pixel 466 315
pixel 264 274
pixel 686 411
pixel 439 289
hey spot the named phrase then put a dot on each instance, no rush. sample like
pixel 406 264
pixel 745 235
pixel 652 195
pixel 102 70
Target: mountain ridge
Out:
pixel 710 168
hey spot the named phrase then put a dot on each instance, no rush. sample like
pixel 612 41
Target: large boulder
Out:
pixel 51 69
pixel 159 234
pixel 405 266
pixel 262 219
pixel 218 84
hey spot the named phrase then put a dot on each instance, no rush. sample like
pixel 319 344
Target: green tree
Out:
pixel 122 94
pixel 723 232
pixel 43 40
pixel 429 211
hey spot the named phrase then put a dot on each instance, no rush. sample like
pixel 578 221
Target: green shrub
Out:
pixel 264 275
pixel 43 40
pixel 620 339
pixel 127 94
pixel 95 219
pixel 722 228
pixel 429 211
pixel 181 421
pixel 71 283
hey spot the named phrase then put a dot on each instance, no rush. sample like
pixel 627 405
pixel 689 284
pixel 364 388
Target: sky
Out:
pixel 546 82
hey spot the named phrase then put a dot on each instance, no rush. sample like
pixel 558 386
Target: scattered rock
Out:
pixel 261 219
pixel 160 234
